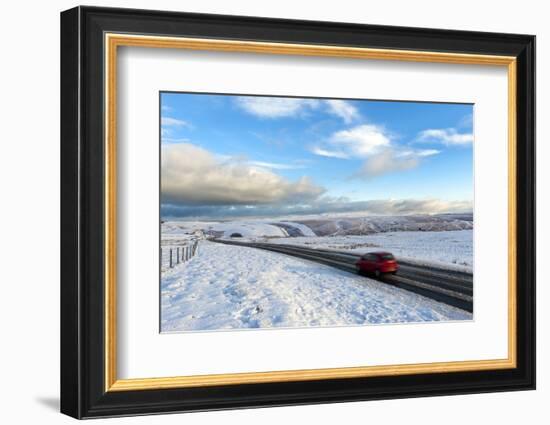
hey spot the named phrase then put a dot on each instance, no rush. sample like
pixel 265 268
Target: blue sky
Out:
pixel 226 155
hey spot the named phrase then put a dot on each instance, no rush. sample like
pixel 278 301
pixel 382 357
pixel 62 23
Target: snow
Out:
pixel 176 253
pixel 302 228
pixel 249 229
pixel 451 249
pixel 445 240
pixel 338 226
pixel 322 225
pixel 184 227
pixel 231 287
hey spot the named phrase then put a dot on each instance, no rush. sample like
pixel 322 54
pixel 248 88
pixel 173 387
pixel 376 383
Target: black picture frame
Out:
pixel 83 392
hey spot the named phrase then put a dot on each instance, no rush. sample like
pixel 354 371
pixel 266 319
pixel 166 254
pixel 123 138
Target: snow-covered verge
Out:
pixel 452 250
pixel 229 287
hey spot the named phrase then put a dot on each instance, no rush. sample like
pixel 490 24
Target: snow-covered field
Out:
pixel 246 229
pixel 229 287
pixel 444 240
pixel 451 249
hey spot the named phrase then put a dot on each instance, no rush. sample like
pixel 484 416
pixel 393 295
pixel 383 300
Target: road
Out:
pixel 450 287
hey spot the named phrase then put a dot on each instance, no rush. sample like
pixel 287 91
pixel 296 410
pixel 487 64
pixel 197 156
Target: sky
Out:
pixel 229 156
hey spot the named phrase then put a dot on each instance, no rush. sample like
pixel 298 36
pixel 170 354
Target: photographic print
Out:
pixel 291 212
pixel 311 212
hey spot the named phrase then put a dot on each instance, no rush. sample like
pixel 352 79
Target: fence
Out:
pixel 171 256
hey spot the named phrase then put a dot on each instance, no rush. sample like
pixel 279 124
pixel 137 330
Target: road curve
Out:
pixel 447 286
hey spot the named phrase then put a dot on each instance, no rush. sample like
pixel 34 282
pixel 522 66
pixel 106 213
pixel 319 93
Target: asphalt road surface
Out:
pixel 446 286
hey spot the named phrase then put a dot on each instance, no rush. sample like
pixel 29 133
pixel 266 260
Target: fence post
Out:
pixel 170 257
pixel 178 255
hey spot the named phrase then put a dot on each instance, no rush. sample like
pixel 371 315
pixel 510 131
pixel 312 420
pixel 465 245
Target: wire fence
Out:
pixel 171 256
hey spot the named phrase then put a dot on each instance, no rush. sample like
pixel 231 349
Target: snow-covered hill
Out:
pixel 321 226
pixel 369 225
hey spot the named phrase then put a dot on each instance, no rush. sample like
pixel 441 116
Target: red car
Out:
pixel 377 263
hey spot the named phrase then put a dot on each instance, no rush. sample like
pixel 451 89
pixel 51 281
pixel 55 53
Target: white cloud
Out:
pixel 427 152
pixel 387 161
pixel 275 165
pixel 418 153
pixel 173 122
pixel 393 206
pixel 284 107
pixel 173 140
pixel 343 109
pixel 375 145
pixel 193 175
pixel 390 160
pixel 446 136
pixel 416 206
pixel 275 107
pixel 467 121
pixel 325 205
pixel 328 153
pixel 361 141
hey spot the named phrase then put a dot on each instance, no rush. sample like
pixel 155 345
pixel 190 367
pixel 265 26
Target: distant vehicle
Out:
pixel 377 263
pixel 236 235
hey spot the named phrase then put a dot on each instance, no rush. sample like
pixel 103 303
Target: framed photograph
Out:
pixel 261 212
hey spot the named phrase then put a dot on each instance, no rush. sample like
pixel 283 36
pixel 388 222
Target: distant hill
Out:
pixel 342 226
pixel 320 226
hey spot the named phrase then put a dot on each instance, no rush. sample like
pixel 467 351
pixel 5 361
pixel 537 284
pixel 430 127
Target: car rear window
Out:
pixel 386 257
